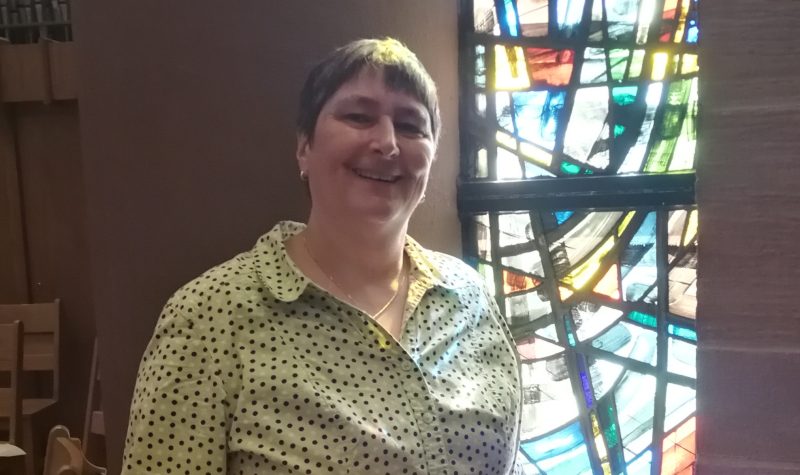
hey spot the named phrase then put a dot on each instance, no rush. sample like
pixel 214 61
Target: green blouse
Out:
pixel 254 369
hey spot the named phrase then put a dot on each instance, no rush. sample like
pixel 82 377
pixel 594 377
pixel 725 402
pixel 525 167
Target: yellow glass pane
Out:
pixel 691 228
pixel 682 21
pixel 506 140
pixel 536 154
pixel 625 222
pixel 660 61
pixel 578 277
pixel 689 64
pixel 511 71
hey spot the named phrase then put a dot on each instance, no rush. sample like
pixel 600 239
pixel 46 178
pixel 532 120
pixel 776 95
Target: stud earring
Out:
pixel 303 175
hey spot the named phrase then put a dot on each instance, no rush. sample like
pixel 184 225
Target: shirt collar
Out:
pixel 285 281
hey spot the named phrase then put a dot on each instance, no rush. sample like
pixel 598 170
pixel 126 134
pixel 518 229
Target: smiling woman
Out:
pixel 340 346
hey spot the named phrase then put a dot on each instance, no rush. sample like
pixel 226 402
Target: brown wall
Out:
pixel 749 265
pixel 44 253
pixel 187 113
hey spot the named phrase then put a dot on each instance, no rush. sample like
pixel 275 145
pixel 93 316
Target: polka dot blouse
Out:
pixel 252 369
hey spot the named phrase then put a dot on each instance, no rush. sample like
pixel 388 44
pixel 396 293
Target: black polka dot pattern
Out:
pixel 252 369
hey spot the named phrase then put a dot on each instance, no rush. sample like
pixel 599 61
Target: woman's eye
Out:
pixel 410 128
pixel 358 118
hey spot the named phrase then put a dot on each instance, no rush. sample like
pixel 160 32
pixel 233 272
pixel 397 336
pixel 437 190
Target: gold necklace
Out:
pixel 352 300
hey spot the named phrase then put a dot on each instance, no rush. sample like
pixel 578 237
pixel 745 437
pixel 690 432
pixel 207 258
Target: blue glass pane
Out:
pixel 538 115
pixel 560 453
pixel 562 216
pixel 509 23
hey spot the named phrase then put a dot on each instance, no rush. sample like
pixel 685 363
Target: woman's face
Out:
pixel 371 153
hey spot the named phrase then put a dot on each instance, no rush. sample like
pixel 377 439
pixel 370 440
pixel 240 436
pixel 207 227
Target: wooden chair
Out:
pixel 40 355
pixel 12 458
pixel 94 426
pixel 64 455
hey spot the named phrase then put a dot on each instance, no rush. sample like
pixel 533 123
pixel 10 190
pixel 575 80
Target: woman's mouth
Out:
pixel 377 176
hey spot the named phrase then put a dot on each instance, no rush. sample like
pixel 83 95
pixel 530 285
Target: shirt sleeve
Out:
pixel 178 417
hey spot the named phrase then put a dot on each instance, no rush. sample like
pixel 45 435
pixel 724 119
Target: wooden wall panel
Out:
pixel 188 141
pixel 48 146
pixel 13 267
pixel 749 262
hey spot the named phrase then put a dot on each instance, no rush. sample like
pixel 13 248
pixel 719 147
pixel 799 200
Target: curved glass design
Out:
pixel 601 301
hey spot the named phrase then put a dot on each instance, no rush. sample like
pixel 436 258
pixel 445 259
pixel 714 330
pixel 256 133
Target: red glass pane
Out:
pixel 552 67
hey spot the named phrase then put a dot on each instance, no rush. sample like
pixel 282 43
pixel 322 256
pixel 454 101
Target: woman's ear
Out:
pixel 301 154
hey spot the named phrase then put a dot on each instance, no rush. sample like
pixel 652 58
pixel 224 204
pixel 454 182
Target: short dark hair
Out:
pixel 402 71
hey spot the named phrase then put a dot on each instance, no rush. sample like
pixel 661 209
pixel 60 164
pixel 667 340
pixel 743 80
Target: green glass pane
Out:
pixel 644 319
pixel 682 332
pixel 570 168
pixel 670 127
pixel 624 95
pixel 619 63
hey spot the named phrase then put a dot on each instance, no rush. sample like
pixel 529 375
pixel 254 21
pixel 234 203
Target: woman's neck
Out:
pixel 356 254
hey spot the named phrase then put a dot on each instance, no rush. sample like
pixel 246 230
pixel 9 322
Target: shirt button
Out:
pixel 407 365
pixel 428 418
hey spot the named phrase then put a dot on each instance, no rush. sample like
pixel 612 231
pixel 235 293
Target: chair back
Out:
pixel 40 337
pixel 64 455
pixel 11 348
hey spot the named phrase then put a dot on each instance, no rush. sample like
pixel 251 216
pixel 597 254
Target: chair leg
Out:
pixel 27 445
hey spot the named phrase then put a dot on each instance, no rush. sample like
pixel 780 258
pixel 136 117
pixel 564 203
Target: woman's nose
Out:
pixel 384 139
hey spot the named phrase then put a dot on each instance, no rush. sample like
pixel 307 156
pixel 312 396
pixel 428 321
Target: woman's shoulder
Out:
pixel 218 289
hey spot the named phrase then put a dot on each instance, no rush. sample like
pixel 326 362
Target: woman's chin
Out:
pixel 374 211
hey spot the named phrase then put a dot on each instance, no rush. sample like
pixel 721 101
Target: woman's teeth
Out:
pixel 376 176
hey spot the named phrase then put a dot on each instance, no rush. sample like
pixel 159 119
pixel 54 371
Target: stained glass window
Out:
pixel 578 125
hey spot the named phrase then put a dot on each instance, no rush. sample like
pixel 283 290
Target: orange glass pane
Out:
pixel 679 449
pixel 513 282
pixel 609 284
pixel 670 8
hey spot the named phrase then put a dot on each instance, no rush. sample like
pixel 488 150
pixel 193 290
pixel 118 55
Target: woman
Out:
pixel 341 346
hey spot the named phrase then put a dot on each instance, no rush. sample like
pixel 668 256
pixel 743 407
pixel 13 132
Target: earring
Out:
pixel 303 175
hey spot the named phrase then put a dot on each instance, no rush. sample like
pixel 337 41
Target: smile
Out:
pixel 386 178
